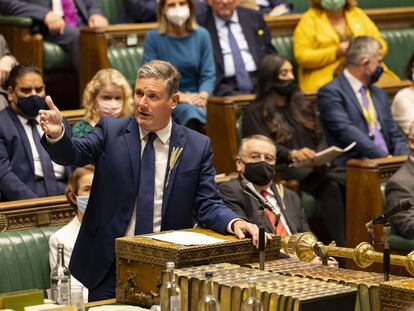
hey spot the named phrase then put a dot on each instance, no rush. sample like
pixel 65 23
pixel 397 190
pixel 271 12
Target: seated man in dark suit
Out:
pixel 59 20
pixel 151 175
pixel 240 39
pixel 7 62
pixel 255 163
pixel 352 108
pixel 401 186
pixel 26 170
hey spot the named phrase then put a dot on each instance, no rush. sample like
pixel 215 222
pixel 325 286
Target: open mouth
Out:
pixel 144 114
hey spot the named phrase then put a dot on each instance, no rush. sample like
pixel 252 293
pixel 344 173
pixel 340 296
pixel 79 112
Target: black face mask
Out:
pixel 259 173
pixel 31 105
pixel 376 75
pixel 285 87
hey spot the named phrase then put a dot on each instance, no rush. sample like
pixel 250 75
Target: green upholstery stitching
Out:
pixel 24 259
pixel 126 60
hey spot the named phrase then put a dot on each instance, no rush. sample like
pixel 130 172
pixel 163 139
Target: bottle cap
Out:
pixel 170 264
pixel 60 245
pixel 208 274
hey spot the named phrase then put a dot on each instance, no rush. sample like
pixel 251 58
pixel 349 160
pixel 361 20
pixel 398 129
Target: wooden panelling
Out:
pixel 35 212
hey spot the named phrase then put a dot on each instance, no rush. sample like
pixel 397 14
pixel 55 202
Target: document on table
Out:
pixel 185 238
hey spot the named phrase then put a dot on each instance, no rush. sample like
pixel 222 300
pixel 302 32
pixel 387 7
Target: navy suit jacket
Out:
pixel 246 206
pixel 114 147
pixel 257 36
pixel 343 121
pixel 37 9
pixel 17 177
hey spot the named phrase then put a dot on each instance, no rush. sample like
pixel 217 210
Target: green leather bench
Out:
pixel 301 6
pixel 24 259
pixel 400 47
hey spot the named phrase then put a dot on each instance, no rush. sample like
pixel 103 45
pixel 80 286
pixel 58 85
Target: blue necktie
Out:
pixel 47 166
pixel 244 83
pixel 145 203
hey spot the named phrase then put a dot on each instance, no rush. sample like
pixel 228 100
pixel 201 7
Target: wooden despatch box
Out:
pixel 397 295
pixel 140 261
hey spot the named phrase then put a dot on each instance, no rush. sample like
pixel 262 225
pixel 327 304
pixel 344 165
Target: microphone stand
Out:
pixel 261 237
pixel 386 230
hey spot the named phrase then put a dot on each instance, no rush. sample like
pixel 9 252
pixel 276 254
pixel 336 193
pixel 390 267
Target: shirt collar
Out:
pixel 24 121
pixel 163 134
pixel 221 22
pixel 354 82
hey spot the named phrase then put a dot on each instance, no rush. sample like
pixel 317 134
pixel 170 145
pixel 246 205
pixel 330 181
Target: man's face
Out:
pixel 372 64
pixel 223 8
pixel 254 151
pixel 153 105
pixel 27 85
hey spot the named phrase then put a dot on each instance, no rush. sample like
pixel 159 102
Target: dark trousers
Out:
pixel 106 288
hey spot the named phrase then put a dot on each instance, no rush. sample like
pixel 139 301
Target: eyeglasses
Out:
pixel 257 157
pixel 28 90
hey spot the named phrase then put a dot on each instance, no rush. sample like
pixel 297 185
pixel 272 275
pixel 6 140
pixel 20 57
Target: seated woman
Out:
pixel 77 193
pixel 7 62
pixel 180 41
pixel 403 104
pixel 322 37
pixel 281 112
pixel 108 94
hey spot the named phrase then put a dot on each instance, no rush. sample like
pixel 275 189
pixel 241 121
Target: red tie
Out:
pixel 280 229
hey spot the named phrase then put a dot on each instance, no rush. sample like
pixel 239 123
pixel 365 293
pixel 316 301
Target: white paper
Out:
pixel 185 238
pixel 323 157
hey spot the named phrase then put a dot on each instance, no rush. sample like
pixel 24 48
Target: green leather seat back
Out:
pixel 400 47
pixel 284 46
pixel 24 259
pixel 301 6
pixel 55 57
pixel 111 9
pixel 126 60
pixel 310 205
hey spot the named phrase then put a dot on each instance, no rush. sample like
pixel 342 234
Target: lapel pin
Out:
pixel 175 155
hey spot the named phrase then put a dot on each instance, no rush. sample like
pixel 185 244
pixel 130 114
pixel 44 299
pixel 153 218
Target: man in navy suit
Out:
pixel 182 189
pixel 59 20
pixel 251 35
pixel 22 173
pixel 353 109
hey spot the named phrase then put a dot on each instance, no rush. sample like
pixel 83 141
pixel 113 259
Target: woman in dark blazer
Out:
pixel 282 113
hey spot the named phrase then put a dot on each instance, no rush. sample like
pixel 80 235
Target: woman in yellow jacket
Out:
pixel 322 37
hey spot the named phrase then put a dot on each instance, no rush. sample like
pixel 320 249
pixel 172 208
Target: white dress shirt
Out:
pixel 161 147
pixel 223 36
pixel 57 7
pixel 403 108
pixel 356 87
pixel 58 169
pixel 272 199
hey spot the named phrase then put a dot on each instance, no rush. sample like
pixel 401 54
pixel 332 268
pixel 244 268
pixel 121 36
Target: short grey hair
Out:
pixel 361 47
pixel 158 69
pixel 411 130
pixel 245 140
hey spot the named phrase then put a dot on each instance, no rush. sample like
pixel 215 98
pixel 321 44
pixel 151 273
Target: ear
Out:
pixel 72 198
pixel 175 99
pixel 239 165
pixel 10 94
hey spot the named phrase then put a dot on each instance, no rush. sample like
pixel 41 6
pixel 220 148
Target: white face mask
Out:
pixel 109 108
pixel 178 15
pixel 82 202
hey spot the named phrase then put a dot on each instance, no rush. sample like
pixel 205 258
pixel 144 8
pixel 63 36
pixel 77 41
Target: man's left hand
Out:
pixel 97 20
pixel 241 228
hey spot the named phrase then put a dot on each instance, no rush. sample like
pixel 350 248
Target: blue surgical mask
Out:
pixel 82 202
pixel 31 105
pixel 376 75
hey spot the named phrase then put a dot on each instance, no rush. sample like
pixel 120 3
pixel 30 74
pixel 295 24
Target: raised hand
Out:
pixel 51 120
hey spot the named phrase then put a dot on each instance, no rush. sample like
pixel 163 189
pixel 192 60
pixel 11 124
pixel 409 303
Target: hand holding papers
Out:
pixel 323 157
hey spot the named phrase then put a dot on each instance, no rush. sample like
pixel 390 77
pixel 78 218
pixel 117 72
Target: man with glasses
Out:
pixel 26 170
pixel 255 163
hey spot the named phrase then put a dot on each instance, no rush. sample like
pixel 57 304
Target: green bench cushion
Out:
pixel 112 9
pixel 24 259
pixel 54 57
pixel 126 60
pixel 16 21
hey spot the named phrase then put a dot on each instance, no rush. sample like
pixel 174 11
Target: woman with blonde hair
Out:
pixel 108 94
pixel 322 37
pixel 180 41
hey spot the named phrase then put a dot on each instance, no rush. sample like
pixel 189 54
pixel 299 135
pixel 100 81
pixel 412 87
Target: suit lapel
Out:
pixel 177 140
pixel 23 136
pixel 133 141
pixel 350 93
pixel 82 10
pixel 250 32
